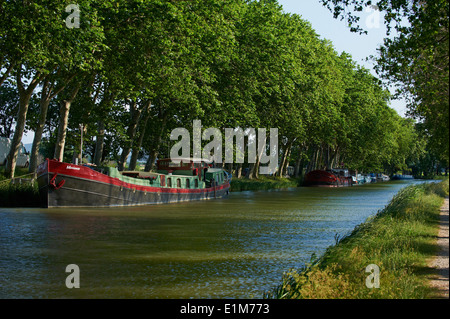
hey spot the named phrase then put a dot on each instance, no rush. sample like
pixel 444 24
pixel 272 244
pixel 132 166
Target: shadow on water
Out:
pixel 236 247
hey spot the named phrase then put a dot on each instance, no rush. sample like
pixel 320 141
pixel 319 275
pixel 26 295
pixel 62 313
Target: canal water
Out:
pixel 238 247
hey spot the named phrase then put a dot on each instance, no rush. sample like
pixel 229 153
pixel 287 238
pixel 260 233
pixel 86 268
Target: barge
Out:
pixel 69 185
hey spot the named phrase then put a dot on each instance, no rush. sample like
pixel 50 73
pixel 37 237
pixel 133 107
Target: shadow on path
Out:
pixel 440 280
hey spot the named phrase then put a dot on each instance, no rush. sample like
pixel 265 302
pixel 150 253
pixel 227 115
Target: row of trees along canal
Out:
pixel 131 71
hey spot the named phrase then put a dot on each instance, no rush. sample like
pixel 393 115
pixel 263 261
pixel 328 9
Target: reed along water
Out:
pixel 237 247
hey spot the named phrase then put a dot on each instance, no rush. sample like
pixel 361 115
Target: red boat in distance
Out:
pixel 329 178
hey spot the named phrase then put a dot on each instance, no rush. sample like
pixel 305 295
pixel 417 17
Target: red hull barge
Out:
pixel 322 178
pixel 68 185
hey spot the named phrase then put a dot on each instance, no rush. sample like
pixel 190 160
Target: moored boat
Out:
pixel 327 178
pixel 402 177
pixel 382 178
pixel 360 179
pixel 68 185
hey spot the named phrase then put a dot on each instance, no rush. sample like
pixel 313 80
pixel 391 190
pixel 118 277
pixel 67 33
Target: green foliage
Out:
pixel 8 109
pixel 416 60
pixel 227 63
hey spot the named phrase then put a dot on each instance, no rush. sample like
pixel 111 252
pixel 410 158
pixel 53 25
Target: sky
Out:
pixel 358 46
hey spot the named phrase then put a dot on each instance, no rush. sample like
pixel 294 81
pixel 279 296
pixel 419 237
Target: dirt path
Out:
pixel 440 262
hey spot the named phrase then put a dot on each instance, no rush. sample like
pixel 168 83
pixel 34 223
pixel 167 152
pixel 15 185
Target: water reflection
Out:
pixel 229 248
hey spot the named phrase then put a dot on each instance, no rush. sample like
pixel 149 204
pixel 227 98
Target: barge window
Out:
pixel 188 183
pixel 196 183
pixel 169 182
pixel 178 183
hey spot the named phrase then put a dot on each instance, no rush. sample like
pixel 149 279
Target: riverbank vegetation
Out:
pixel 19 195
pixel 109 80
pixel 399 240
pixel 23 192
pixel 262 183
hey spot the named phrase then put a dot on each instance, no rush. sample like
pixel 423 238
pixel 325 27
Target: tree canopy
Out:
pixel 132 71
pixel 415 60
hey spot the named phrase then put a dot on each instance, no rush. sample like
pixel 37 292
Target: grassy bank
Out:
pixel 399 240
pixel 18 195
pixel 262 183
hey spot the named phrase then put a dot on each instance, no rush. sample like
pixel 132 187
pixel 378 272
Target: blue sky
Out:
pixel 359 46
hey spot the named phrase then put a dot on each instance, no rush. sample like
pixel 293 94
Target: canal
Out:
pixel 236 247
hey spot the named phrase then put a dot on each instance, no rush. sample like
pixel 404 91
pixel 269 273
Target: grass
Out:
pixel 400 240
pixel 20 171
pixel 18 195
pixel 262 183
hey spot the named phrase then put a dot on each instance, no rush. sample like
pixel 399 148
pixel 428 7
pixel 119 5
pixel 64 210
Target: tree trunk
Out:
pixel 63 122
pixel 334 158
pixel 62 130
pixel 131 132
pixel 99 143
pixel 38 135
pixel 18 133
pixel 154 151
pixel 300 161
pixel 284 161
pixel 43 108
pixel 249 173
pixel 135 152
pixel 238 172
pixel 254 172
pixel 255 168
pixel 104 104
pixel 298 164
pixel 230 168
pixel 24 100
pixel 136 148
pixel 313 163
pixel 47 94
pixel 318 158
pixel 151 160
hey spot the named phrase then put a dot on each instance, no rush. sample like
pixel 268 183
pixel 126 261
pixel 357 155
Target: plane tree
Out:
pixel 415 60
pixel 36 43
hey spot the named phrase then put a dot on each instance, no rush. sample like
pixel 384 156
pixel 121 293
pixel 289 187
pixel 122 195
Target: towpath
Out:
pixel 441 281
